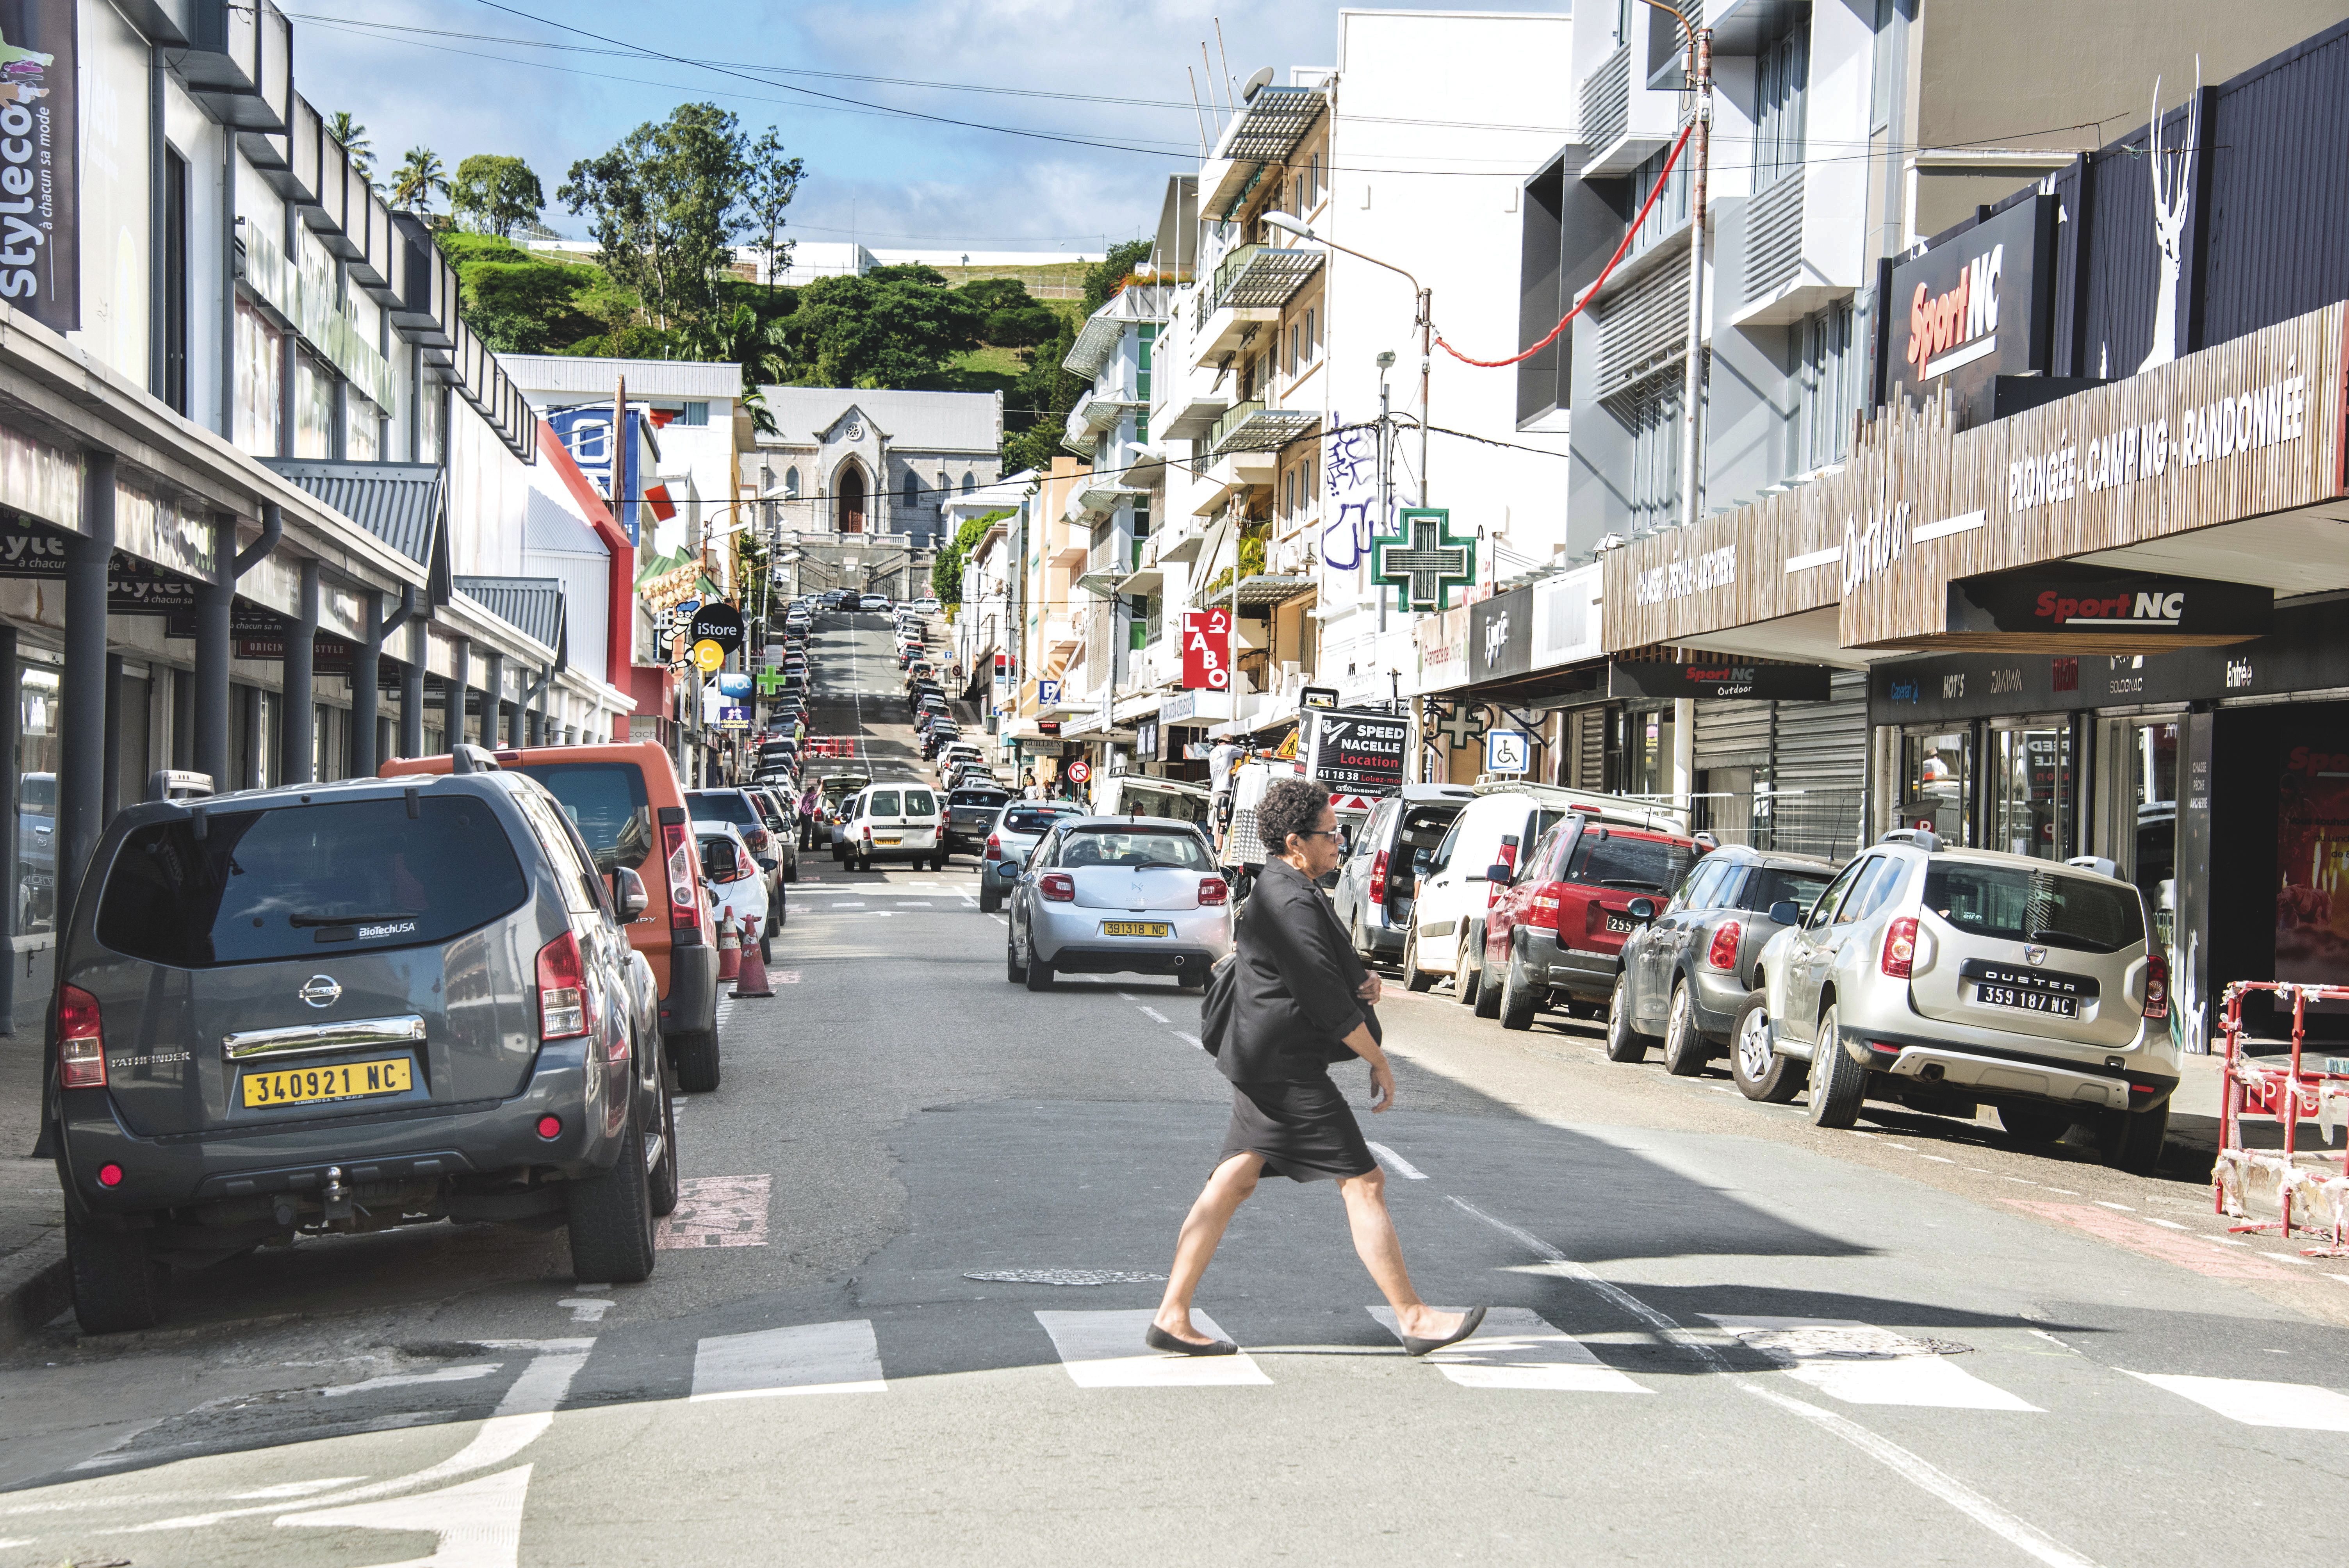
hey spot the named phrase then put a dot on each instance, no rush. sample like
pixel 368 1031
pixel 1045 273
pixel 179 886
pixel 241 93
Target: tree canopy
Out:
pixel 665 207
pixel 493 193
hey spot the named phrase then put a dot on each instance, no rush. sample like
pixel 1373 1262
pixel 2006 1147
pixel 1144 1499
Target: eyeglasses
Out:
pixel 1317 834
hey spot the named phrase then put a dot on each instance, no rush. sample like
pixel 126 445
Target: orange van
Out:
pixel 628 806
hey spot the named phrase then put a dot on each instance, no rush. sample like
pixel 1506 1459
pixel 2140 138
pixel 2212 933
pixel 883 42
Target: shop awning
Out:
pixel 531 605
pixel 403 505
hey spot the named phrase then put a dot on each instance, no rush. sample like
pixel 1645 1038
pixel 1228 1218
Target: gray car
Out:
pixel 1688 969
pixel 1018 827
pixel 342 1007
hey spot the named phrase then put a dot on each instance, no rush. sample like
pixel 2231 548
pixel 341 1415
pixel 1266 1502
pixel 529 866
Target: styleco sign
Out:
pixel 1975 307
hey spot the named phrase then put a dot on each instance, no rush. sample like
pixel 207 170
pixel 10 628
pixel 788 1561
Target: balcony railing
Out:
pixel 1251 427
pixel 1607 100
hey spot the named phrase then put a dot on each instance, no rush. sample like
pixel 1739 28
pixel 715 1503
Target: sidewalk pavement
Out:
pixel 32 1283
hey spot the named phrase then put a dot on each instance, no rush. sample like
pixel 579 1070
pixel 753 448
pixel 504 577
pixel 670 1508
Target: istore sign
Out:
pixel 1208 650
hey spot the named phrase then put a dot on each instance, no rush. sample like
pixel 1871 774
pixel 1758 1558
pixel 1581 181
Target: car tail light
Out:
pixel 1214 890
pixel 550 1127
pixel 1058 886
pixel 1379 877
pixel 81 1040
pixel 2157 985
pixel 1722 955
pixel 563 1010
pixel 1899 947
pixel 757 839
pixel 684 910
pixel 742 866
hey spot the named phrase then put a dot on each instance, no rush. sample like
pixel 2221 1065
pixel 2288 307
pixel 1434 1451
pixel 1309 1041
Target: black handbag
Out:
pixel 1216 1009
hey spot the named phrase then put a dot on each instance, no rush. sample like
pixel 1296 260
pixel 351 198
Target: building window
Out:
pixel 260 381
pixel 313 408
pixel 1312 335
pixel 1828 389
pixel 792 480
pixel 946 489
pixel 175 281
pixel 1781 73
pixel 1671 208
pixel 37 745
pixel 1296 332
pixel 1652 413
pixel 694 414
pixel 969 481
pixel 913 489
pixel 362 430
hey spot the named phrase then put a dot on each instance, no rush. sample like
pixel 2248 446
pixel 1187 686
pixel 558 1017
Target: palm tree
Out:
pixel 354 137
pixel 418 178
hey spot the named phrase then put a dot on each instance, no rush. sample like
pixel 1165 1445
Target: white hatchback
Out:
pixel 899 822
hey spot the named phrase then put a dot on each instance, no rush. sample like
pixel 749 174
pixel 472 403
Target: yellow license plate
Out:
pixel 1136 928
pixel 343 1081
pixel 886 839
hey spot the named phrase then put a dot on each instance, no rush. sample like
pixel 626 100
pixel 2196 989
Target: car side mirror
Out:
pixel 1643 908
pixel 629 894
pixel 1496 873
pixel 1785 913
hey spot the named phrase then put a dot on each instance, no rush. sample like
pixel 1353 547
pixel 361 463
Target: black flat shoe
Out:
pixel 1158 1338
pixel 1468 1325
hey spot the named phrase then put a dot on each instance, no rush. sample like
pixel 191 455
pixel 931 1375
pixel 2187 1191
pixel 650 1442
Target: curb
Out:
pixel 34 1288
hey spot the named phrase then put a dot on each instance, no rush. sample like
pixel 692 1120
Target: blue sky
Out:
pixel 445 74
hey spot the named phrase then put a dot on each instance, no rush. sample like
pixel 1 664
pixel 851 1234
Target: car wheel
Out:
pixel 1013 970
pixel 1839 1084
pixel 990 900
pixel 1518 1002
pixel 1463 978
pixel 611 1217
pixel 1360 938
pixel 695 1057
pixel 1754 1061
pixel 1624 1043
pixel 2133 1139
pixel 1039 973
pixel 118 1283
pixel 1488 989
pixel 1414 978
pixel 1685 1051
pixel 665 1186
pixel 2031 1125
pixel 766 950
pixel 791 870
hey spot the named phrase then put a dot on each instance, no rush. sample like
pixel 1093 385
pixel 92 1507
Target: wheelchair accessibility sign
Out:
pixel 1507 751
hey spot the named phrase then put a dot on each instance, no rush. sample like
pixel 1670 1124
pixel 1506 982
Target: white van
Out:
pixel 1447 916
pixel 897 822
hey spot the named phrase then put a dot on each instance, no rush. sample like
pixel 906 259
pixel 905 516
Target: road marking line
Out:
pixel 2123 1208
pixel 717 1212
pixel 1516 1348
pixel 805 1358
pixel 2304 1406
pixel 2051 1339
pixel 2164 1224
pixel 2151 1241
pixel 1105 1350
pixel 1403 1168
pixel 2066 1191
pixel 478 1523
pixel 2291 1258
pixel 586 1308
pixel 1195 1039
pixel 1911 1467
pixel 1861 1364
pixel 2025 1181
pixel 1154 1016
pixel 408 1380
pixel 1938 1159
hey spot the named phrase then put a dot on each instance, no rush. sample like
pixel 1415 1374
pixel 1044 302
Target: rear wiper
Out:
pixel 304 920
pixel 1628 881
pixel 1164 866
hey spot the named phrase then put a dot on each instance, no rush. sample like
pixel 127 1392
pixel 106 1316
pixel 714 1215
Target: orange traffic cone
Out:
pixel 751 980
pixel 729 946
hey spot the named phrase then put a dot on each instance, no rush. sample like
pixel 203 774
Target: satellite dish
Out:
pixel 1256 84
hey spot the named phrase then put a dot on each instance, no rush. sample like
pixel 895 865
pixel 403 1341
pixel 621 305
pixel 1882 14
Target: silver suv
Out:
pixel 1945 977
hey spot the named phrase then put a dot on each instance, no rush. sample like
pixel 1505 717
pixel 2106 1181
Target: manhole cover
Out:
pixel 1065 1277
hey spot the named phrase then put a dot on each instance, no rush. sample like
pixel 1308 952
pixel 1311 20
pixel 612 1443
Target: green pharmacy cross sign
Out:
pixel 1425 563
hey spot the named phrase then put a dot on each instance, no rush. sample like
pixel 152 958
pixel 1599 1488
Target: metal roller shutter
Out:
pixel 1733 734
pixel 1819 770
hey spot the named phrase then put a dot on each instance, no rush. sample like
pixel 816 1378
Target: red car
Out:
pixel 1556 931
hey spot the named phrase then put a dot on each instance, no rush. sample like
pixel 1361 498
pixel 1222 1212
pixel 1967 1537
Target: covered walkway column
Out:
pixel 81 696
pixel 493 680
pixel 297 719
pixel 411 688
pixel 453 695
pixel 214 606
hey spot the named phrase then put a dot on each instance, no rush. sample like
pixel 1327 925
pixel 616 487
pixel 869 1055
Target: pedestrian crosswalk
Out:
pixel 1846 1361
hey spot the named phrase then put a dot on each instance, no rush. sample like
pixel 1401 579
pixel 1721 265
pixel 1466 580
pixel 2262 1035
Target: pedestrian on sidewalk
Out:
pixel 1300 1000
pixel 810 802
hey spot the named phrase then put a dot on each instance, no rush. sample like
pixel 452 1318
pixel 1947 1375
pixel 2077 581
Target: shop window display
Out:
pixel 2031 792
pixel 1936 773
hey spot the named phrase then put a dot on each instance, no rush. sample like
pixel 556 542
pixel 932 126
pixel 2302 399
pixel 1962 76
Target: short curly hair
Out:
pixel 1290 806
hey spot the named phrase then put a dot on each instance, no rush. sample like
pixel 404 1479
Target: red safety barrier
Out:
pixel 2288 1090
pixel 834 745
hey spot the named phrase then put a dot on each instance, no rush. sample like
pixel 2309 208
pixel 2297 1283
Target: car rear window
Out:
pixel 303 882
pixel 921 803
pixel 1134 847
pixel 1031 819
pixel 977 798
pixel 2045 906
pixel 1768 885
pixel 884 804
pixel 1649 865
pixel 606 802
pixel 1428 824
pixel 723 806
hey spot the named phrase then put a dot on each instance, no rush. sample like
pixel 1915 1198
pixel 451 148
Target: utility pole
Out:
pixel 1699 73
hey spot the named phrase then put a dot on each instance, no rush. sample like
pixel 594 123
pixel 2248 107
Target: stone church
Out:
pixel 846 461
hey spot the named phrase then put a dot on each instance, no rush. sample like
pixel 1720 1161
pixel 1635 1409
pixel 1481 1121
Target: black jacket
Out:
pixel 1297 975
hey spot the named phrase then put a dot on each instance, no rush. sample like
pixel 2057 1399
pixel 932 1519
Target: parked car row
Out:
pixel 462 990
pixel 1934 977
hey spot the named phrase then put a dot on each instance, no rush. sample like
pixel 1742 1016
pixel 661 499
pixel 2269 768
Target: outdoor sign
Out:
pixel 1207 649
pixel 1318 697
pixel 1508 751
pixel 1080 770
pixel 1145 738
pixel 40 162
pixel 1716 678
pixel 2101 609
pixel 732 717
pixel 1423 562
pixel 734 682
pixel 1048 693
pixel 708 655
pixel 1975 307
pixel 1565 614
pixel 1347 748
pixel 720 623
pixel 1501 636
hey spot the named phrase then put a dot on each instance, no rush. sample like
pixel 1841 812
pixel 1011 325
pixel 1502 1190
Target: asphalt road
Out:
pixel 1719 1335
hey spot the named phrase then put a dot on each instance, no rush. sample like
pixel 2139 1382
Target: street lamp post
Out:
pixel 1423 300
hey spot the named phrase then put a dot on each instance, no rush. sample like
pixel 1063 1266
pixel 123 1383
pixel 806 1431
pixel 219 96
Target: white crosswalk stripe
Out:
pixel 1515 1349
pixel 805 1359
pixel 1863 1365
pixel 1105 1350
pixel 2304 1406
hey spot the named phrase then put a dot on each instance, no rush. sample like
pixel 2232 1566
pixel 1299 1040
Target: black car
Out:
pixel 342 1007
pixel 970 812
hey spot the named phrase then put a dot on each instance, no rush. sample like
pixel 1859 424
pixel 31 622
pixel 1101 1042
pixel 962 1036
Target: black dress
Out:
pixel 1292 1008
